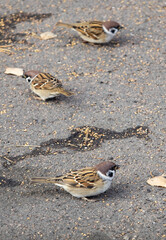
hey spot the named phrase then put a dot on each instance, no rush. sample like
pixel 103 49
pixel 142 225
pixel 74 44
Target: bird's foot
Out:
pixel 89 200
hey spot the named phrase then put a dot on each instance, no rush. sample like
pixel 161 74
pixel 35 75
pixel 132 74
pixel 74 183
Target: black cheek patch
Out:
pixel 110 174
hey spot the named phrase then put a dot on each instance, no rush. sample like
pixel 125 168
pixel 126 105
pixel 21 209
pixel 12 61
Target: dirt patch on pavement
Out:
pixel 9 22
pixel 81 139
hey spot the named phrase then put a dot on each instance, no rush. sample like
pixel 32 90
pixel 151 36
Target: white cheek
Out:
pixel 104 177
pixel 108 32
pixel 110 35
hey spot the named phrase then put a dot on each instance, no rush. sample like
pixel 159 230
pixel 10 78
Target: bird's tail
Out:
pixel 61 24
pixel 44 180
pixel 65 92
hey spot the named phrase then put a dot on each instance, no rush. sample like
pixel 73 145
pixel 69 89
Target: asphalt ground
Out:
pixel 119 97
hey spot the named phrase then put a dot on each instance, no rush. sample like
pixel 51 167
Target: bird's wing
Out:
pixel 91 29
pixel 84 178
pixel 45 81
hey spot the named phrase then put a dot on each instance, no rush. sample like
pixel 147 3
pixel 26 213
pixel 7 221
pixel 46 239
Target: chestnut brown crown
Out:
pixel 31 73
pixel 104 167
pixel 112 24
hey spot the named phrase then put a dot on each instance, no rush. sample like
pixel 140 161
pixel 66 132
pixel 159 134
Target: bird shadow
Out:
pixel 56 100
pixel 44 190
pixel 116 42
pixel 118 191
pixel 97 236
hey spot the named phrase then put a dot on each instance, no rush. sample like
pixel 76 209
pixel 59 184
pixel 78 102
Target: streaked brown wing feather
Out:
pixel 45 81
pixel 94 33
pixel 84 178
pixel 91 29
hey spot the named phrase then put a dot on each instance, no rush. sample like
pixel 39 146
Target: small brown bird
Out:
pixel 45 85
pixel 85 182
pixel 94 31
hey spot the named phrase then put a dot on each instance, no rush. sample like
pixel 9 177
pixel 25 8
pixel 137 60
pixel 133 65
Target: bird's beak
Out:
pixel 120 27
pixel 117 167
pixel 23 76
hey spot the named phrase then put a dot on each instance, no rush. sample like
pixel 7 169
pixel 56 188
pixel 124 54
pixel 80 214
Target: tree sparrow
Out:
pixel 45 85
pixel 94 31
pixel 85 182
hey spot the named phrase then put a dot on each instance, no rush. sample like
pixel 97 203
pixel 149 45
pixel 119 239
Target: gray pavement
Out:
pixel 119 94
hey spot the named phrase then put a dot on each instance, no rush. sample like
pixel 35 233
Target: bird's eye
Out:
pixel 113 31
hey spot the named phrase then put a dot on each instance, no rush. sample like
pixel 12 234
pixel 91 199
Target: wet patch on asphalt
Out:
pixel 81 139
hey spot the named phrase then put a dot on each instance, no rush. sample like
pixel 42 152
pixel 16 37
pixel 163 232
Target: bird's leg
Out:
pixel 84 41
pixel 37 98
pixel 89 200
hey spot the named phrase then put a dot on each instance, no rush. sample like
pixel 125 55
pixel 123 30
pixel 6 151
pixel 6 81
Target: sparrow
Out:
pixel 45 85
pixel 86 182
pixel 94 31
